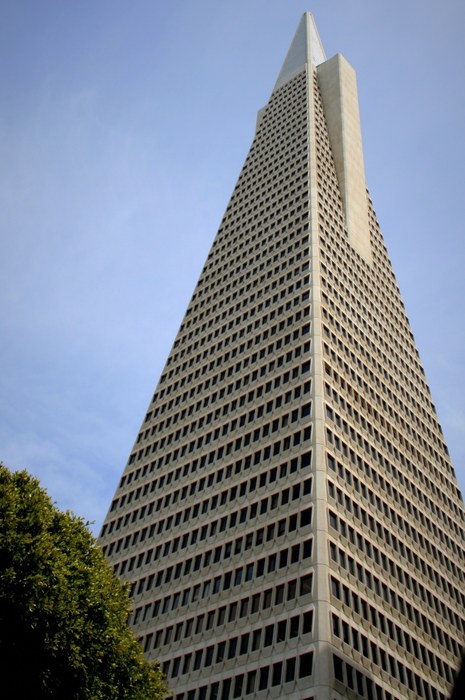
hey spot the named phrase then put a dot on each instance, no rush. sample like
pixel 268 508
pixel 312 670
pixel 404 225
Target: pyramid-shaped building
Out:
pixel 289 519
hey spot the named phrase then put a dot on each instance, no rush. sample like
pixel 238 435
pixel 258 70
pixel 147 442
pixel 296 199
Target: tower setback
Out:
pixel 289 520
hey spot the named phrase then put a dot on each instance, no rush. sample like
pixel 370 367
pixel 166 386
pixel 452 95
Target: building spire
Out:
pixel 306 47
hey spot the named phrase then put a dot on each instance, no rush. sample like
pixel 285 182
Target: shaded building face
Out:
pixel 289 520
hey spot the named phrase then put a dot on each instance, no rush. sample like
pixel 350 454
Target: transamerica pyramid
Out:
pixel 289 520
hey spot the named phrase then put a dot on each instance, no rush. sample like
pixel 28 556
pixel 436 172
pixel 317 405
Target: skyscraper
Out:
pixel 289 520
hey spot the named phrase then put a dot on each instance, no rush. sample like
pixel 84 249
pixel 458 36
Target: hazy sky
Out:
pixel 123 128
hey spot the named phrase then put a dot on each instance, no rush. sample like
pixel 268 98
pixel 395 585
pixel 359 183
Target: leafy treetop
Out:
pixel 63 612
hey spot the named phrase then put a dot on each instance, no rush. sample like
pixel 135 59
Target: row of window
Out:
pixel 272 676
pixel 297 270
pixel 387 426
pixel 253 229
pixel 383 327
pixel 238 401
pixel 236 423
pixel 250 236
pixel 240 490
pixel 268 163
pixel 237 300
pixel 212 359
pixel 211 362
pixel 236 610
pixel 204 420
pixel 392 568
pixel 399 522
pixel 404 352
pixel 373 616
pixel 422 487
pixel 290 321
pixel 215 356
pixel 212 397
pixel 401 458
pixel 218 476
pixel 263 252
pixel 221 287
pixel 223 430
pixel 221 525
pixel 417 454
pixel 370 349
pixel 404 356
pixel 271 156
pixel 257 233
pixel 357 681
pixel 273 450
pixel 395 434
pixel 223 450
pixel 406 393
pixel 221 552
pixel 216 350
pixel 395 407
pixel 345 474
pixel 237 646
pixel 360 642
pixel 230 579
pixel 395 544
pixel 415 397
pixel 368 410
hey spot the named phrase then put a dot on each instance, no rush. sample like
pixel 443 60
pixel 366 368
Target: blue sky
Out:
pixel 123 129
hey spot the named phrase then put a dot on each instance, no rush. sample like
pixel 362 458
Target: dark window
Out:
pixel 268 635
pixel 294 627
pixel 232 648
pixel 290 670
pixel 238 684
pixel 338 669
pixel 198 659
pixel 306 665
pixel 251 676
pixel 281 631
pixel 263 683
pixel 220 652
pixel 306 584
pixel 256 639
pixel 209 656
pixel 277 673
pixel 291 589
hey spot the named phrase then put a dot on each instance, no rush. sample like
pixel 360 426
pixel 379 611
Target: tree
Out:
pixel 63 612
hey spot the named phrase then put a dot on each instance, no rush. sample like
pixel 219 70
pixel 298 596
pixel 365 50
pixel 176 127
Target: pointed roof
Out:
pixel 306 47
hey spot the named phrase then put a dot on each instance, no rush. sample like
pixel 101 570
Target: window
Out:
pixel 256 635
pixel 263 682
pixel 277 672
pixel 290 670
pixel 232 648
pixel 269 631
pixel 198 659
pixel 306 665
pixel 208 656
pixel 306 584
pixel 281 631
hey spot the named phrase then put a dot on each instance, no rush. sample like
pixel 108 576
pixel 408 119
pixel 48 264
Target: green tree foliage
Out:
pixel 63 612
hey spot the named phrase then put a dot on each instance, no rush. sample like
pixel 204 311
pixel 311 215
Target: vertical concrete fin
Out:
pixel 306 48
pixel 338 86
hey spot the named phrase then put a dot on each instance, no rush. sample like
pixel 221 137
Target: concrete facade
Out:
pixel 289 520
